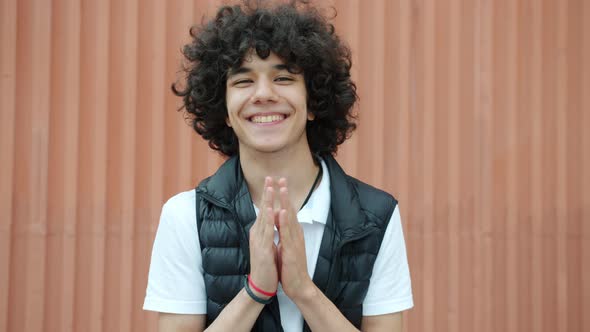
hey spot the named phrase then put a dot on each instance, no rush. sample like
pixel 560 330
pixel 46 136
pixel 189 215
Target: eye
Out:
pixel 242 82
pixel 284 79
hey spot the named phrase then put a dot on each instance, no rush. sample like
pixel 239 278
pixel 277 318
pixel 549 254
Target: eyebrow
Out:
pixel 244 70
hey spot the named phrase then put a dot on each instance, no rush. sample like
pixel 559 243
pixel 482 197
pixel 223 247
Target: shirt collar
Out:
pixel 318 206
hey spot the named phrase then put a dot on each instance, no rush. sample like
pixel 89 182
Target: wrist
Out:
pixel 257 294
pixel 258 290
pixel 254 296
pixel 260 295
pixel 306 294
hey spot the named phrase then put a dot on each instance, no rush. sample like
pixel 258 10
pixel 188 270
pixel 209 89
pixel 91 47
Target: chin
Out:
pixel 265 148
pixel 268 149
pixel 272 145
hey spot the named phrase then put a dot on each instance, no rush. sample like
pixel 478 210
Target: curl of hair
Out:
pixel 302 37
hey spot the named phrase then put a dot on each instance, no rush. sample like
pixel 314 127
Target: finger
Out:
pixel 283 196
pixel 258 226
pixel 286 203
pixel 283 182
pixel 283 185
pixel 268 223
pixel 261 206
pixel 267 196
pixel 265 199
pixel 285 233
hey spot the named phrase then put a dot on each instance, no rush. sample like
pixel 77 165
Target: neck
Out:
pixel 297 167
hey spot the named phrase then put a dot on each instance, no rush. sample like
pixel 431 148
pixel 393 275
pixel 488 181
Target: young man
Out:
pixel 279 238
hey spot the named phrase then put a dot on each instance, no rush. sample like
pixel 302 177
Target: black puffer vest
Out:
pixel 354 230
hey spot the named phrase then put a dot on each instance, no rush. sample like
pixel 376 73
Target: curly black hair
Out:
pixel 302 37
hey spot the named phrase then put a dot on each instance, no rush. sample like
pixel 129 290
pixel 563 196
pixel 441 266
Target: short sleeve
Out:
pixel 390 288
pixel 175 280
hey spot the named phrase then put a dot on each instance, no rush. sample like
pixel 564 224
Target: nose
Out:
pixel 264 92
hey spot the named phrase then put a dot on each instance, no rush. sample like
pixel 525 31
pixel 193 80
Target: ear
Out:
pixel 227 122
pixel 310 116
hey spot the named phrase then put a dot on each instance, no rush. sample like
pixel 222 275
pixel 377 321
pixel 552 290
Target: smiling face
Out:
pixel 267 106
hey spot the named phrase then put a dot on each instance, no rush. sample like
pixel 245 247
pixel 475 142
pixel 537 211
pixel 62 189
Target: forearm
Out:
pixel 239 315
pixel 320 313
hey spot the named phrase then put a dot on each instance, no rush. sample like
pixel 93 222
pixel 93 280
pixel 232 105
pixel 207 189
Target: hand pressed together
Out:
pixel 291 248
pixel 263 251
pixel 286 262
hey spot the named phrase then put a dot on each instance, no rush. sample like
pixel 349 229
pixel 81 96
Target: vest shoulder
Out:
pixel 204 182
pixel 373 199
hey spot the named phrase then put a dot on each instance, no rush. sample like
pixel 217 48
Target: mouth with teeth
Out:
pixel 267 119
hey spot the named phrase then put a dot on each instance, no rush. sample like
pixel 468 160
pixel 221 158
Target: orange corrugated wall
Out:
pixel 474 113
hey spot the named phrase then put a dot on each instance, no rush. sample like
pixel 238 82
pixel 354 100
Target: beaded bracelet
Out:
pixel 253 296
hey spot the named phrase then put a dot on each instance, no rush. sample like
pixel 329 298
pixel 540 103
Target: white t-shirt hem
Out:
pixel 388 307
pixel 175 307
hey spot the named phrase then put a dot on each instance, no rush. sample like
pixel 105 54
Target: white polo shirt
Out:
pixel 176 284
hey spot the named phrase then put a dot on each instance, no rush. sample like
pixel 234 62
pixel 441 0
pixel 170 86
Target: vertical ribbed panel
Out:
pixel 474 114
pixel 7 123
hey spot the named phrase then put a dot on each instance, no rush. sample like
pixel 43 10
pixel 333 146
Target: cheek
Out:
pixel 296 96
pixel 229 101
pixel 302 102
pixel 303 97
pixel 230 105
pixel 235 100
